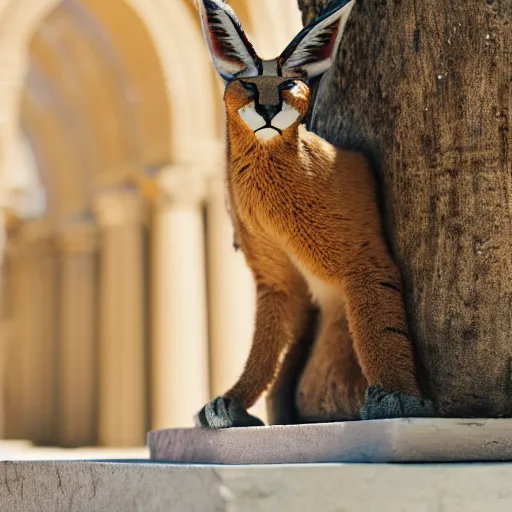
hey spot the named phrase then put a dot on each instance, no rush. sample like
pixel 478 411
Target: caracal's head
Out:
pixel 267 98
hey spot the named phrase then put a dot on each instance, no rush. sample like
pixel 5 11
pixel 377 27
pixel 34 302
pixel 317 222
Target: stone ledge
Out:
pixel 397 440
pixel 117 487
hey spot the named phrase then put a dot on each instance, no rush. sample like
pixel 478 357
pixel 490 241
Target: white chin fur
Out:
pixel 286 117
pixel 251 118
pixel 254 121
pixel 266 134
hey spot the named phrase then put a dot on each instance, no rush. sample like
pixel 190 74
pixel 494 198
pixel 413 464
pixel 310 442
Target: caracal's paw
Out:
pixel 225 413
pixel 382 404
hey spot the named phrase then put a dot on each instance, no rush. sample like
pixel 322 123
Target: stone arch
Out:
pixel 91 91
pixel 56 138
pixel 185 67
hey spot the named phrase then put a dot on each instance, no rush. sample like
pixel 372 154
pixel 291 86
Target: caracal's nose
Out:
pixel 269 111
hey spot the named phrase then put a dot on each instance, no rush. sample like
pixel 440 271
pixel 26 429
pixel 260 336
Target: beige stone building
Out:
pixel 124 306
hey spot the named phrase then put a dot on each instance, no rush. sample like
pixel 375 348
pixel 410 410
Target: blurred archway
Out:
pixel 120 284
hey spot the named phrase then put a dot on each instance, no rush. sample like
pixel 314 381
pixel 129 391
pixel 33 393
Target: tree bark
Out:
pixel 425 89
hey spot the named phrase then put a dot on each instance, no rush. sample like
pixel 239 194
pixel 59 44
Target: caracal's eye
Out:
pixel 248 86
pixel 289 84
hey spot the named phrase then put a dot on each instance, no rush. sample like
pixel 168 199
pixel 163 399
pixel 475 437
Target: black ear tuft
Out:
pixel 311 52
pixel 231 52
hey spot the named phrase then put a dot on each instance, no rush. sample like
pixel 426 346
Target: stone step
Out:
pixel 152 487
pixel 396 440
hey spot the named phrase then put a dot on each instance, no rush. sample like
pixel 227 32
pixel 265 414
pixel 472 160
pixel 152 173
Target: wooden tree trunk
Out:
pixel 424 87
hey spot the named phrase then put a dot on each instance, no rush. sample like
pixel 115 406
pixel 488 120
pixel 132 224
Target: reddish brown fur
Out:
pixel 305 210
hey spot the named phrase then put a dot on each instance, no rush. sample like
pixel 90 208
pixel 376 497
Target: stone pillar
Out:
pixel 4 319
pixel 232 298
pixel 31 403
pixel 12 393
pixel 179 361
pixel 122 340
pixel 77 390
pixel 3 238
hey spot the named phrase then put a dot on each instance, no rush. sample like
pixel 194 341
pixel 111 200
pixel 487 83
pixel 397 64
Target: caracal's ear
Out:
pixel 312 50
pixel 232 53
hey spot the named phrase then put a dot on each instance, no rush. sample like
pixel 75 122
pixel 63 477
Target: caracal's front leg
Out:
pixel 282 304
pixel 377 320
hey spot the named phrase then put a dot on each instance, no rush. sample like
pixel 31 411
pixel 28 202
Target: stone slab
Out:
pixel 105 487
pixel 127 487
pixel 396 440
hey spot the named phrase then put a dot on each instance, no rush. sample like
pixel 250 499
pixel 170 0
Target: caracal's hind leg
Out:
pixel 332 386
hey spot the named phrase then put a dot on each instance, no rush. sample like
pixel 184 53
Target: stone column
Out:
pixel 12 420
pixel 4 320
pixel 179 361
pixel 3 237
pixel 14 424
pixel 31 403
pixel 232 298
pixel 77 389
pixel 12 393
pixel 122 340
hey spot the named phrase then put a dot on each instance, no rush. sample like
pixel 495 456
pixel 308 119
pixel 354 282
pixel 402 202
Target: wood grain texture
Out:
pixel 425 89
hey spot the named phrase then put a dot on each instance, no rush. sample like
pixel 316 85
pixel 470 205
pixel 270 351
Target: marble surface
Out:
pixel 397 440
